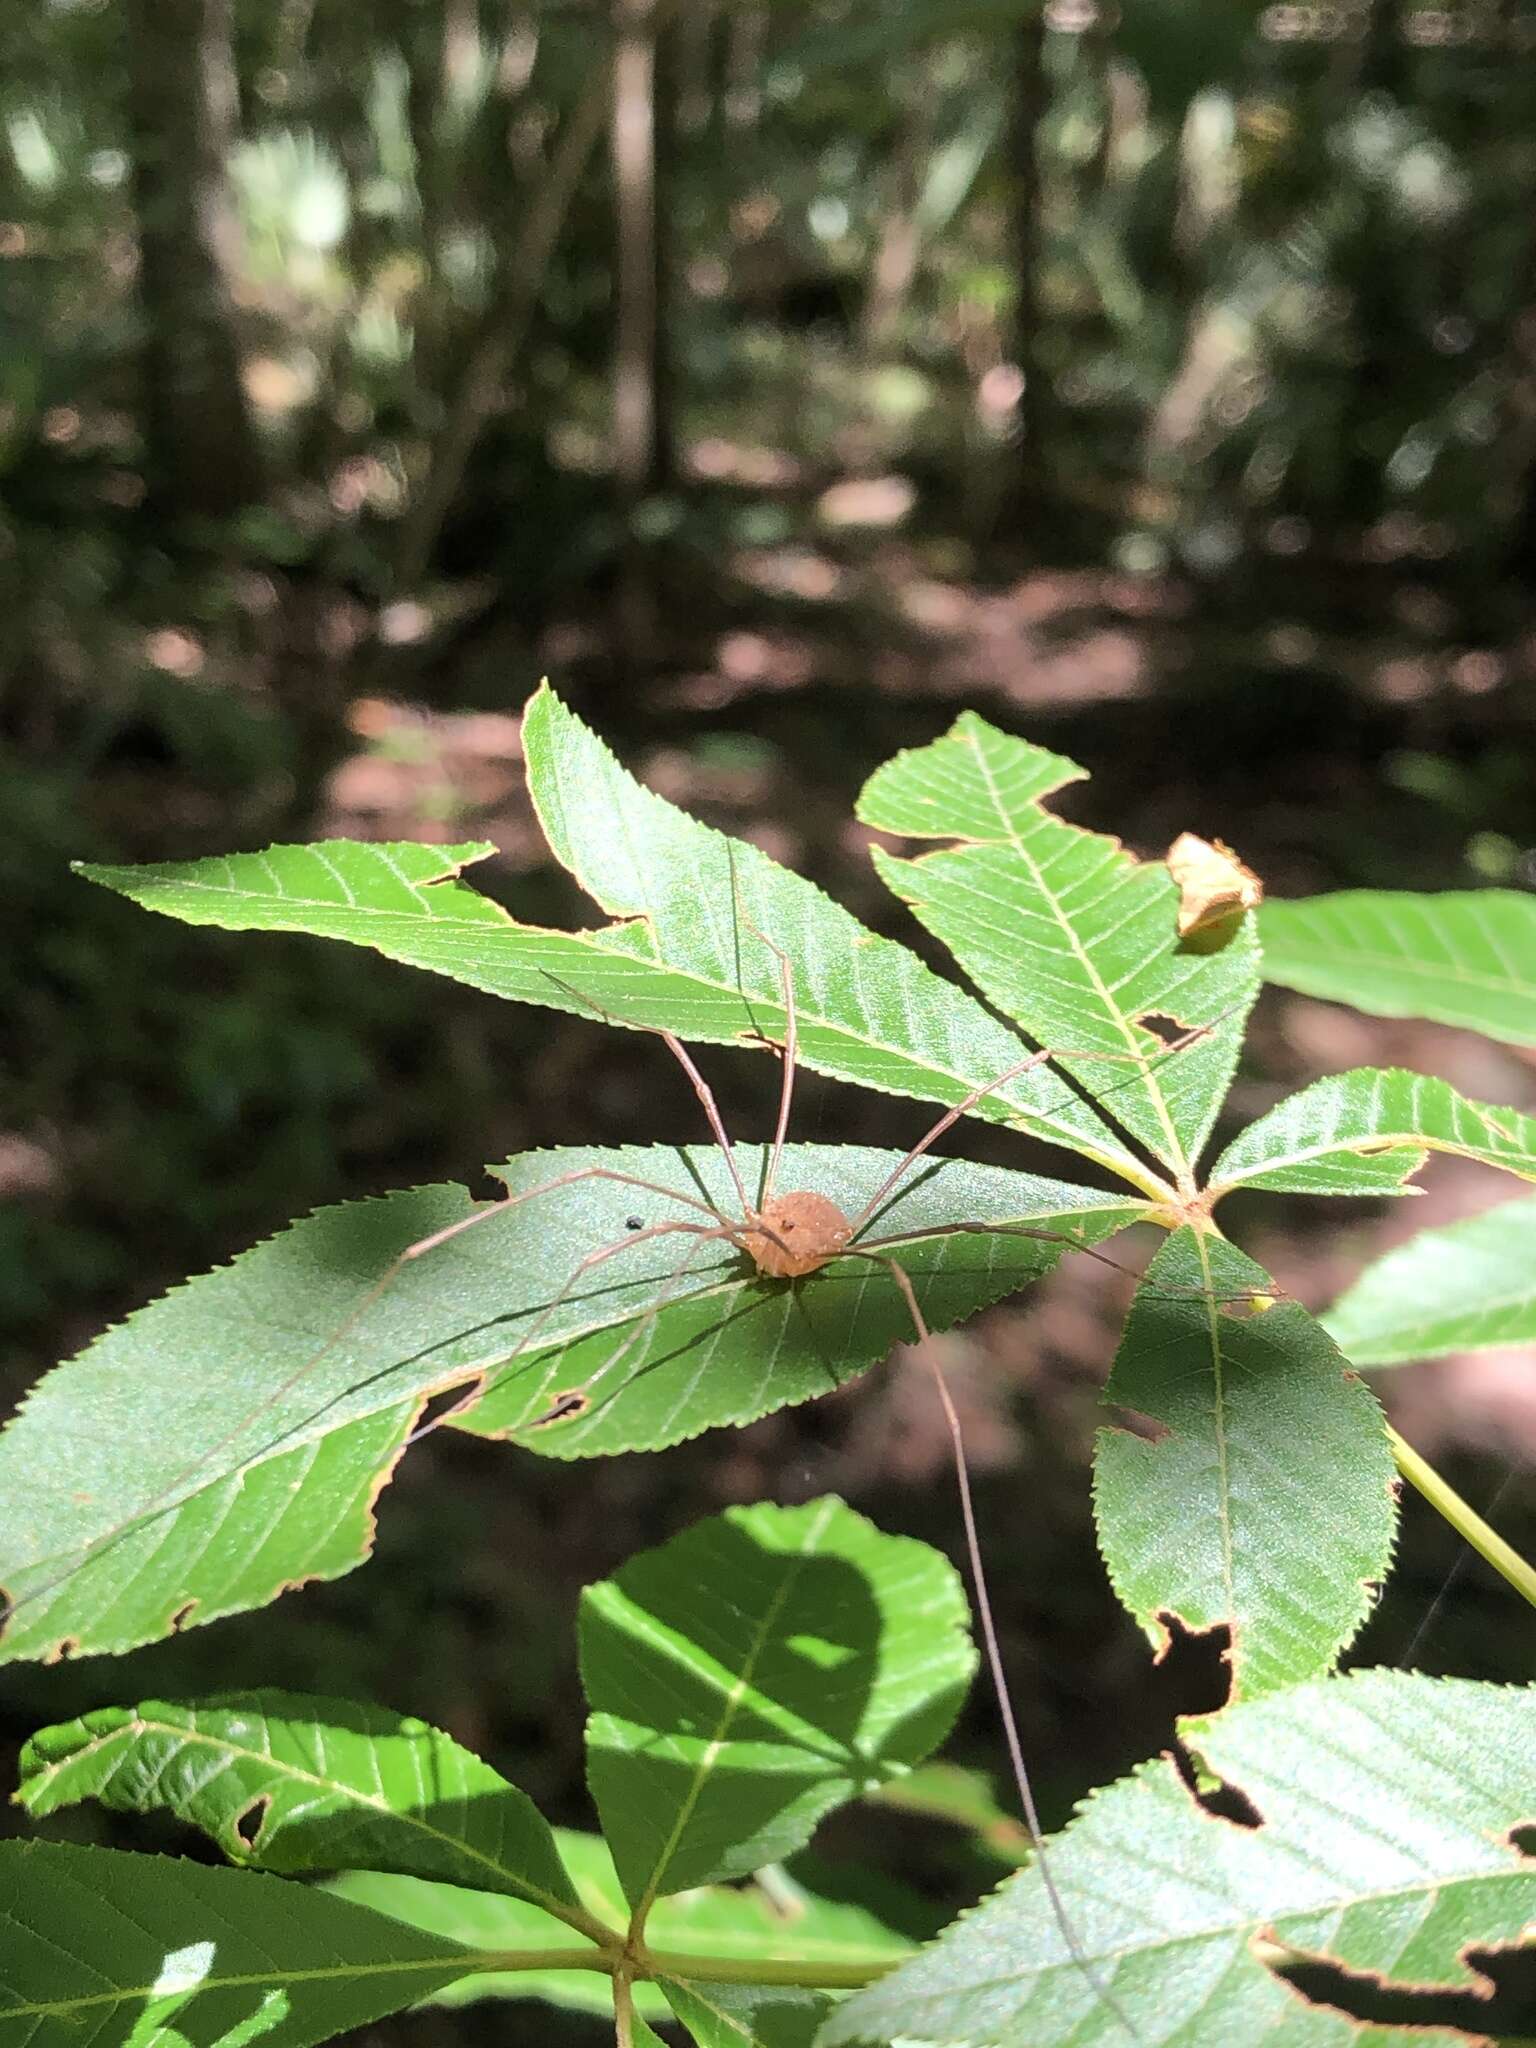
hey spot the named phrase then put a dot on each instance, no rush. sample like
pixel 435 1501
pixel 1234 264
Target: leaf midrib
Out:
pixel 1136 1052
pixel 728 1711
pixel 1518 1162
pixel 239 1980
pixel 1223 1463
pixel 535 1895
pixel 1246 1923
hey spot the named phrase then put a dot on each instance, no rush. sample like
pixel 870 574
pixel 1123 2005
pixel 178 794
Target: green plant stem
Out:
pixel 1463 1518
pixel 623 2009
pixel 511 1960
pixel 802 1976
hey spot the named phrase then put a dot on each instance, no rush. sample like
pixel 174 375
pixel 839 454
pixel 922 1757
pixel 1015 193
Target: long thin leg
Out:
pixel 931 1137
pixel 788 1054
pixel 166 1495
pixel 706 1096
pixel 500 1207
pixel 576 1401
pixel 701 1087
pixel 1067 1242
pixel 969 1102
pixel 994 1652
pixel 567 1288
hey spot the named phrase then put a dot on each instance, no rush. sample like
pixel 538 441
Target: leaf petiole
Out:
pixel 1463 1518
pixel 647 1964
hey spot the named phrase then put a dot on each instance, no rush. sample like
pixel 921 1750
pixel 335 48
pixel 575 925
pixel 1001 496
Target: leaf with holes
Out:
pixel 282 1396
pixel 755 1672
pixel 290 1783
pixel 687 952
pixel 1467 957
pixel 1366 1132
pixel 1261 1497
pixel 775 1922
pixel 1066 931
pixel 1469 1287
pixel 100 1946
pixel 1386 1803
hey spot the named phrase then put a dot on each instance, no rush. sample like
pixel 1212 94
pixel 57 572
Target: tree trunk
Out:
pixel 898 244
pixel 501 333
pixel 202 452
pixel 637 454
pixel 1028 105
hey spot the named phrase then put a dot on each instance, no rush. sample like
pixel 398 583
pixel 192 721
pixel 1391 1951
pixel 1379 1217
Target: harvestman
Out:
pixel 786 1237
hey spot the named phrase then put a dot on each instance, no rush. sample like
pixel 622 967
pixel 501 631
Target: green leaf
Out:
pixel 641 2034
pixel 747 2015
pixel 286 1782
pixel 1468 1287
pixel 1385 1804
pixel 1263 1501
pixel 1066 931
pixel 1467 957
pixel 97 1946
pixel 965 1799
pixel 230 1439
pixel 755 1672
pixel 686 952
pixel 784 1926
pixel 1367 1131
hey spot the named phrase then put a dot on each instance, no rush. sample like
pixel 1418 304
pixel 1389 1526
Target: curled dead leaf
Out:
pixel 1215 889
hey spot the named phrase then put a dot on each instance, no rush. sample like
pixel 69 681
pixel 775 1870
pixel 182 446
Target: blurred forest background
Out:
pixel 780 376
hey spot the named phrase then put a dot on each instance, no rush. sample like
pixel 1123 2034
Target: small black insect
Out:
pixel 634 1223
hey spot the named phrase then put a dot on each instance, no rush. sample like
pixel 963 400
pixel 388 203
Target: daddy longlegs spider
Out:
pixel 784 1237
pixel 787 1237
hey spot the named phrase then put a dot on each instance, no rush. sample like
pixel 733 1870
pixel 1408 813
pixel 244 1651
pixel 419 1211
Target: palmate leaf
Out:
pixel 1466 957
pixel 755 1672
pixel 1468 1287
pixel 687 952
pixel 1066 931
pixel 1264 1499
pixel 291 1783
pixel 1385 1804
pixel 106 1948
pixel 1367 1131
pixel 273 1420
pixel 787 1926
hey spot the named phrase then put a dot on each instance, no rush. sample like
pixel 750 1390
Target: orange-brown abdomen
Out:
pixel 796 1234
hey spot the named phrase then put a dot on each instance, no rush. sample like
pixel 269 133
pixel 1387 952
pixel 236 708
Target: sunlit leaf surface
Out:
pixel 289 1783
pixel 1367 1131
pixel 1066 931
pixel 1385 1803
pixel 229 1440
pixel 101 1947
pixel 1466 957
pixel 687 952
pixel 1465 1288
pixel 754 1672
pixel 783 1925
pixel 1256 1491
pixel 746 2015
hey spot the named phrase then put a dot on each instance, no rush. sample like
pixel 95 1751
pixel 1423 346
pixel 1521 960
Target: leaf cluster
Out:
pixel 759 1670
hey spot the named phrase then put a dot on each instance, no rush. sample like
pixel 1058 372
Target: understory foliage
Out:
pixel 761 1668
